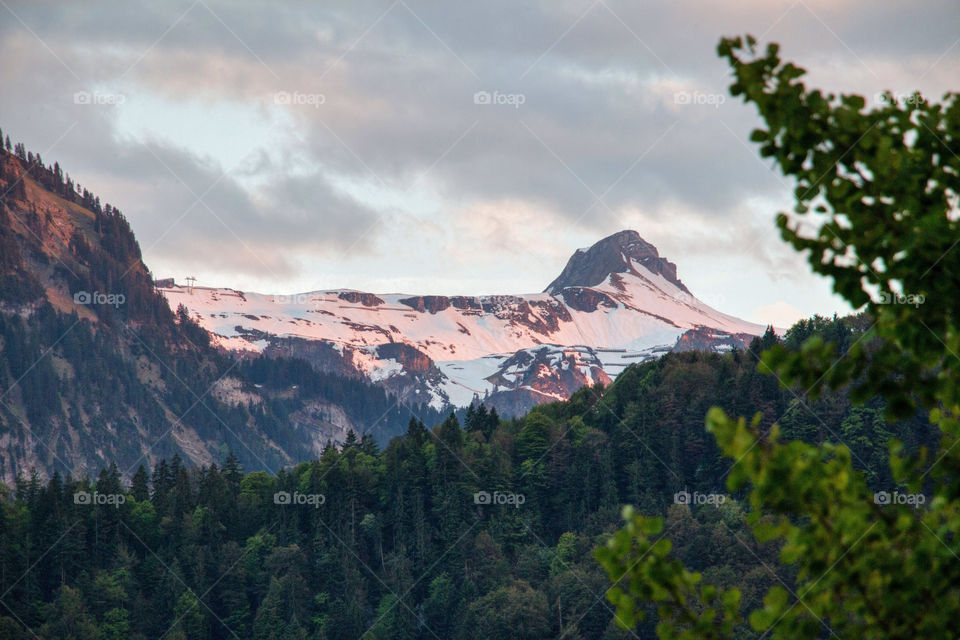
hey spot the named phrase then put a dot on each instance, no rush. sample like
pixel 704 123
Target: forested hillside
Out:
pixel 96 368
pixel 480 529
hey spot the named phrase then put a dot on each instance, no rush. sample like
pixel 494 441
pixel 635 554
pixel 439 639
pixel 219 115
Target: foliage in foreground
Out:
pixel 881 187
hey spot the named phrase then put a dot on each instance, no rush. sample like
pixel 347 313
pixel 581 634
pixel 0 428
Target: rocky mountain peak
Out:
pixel 613 254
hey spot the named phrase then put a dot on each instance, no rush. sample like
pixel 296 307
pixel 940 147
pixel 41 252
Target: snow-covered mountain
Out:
pixel 614 304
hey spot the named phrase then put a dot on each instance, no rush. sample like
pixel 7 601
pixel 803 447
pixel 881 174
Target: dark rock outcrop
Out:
pixel 407 355
pixel 583 299
pixel 707 339
pixel 544 374
pixel 613 255
pixel 431 304
pixel 359 297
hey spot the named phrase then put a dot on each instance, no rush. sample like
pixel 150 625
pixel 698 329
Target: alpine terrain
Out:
pixel 617 303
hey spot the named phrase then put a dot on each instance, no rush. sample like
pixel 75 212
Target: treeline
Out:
pixel 53 178
pixel 473 528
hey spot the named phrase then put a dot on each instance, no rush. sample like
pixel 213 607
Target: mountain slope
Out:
pixel 614 304
pixel 95 368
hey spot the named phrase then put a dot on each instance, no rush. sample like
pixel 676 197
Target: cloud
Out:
pixel 619 117
pixel 780 314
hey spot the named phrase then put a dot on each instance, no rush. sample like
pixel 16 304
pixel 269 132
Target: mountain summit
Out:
pixel 613 254
pixel 617 303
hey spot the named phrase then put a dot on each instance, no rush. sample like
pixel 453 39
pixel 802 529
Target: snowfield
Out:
pixel 629 317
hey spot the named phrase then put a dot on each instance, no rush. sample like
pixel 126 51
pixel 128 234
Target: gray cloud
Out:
pixel 599 116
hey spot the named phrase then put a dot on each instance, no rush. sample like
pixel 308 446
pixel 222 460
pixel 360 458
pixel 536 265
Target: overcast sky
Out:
pixel 444 147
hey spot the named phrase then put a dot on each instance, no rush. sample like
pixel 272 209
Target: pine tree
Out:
pixel 139 488
pixel 351 440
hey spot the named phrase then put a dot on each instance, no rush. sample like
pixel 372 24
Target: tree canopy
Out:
pixel 879 188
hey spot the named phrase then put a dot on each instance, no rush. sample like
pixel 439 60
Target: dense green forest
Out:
pixel 402 542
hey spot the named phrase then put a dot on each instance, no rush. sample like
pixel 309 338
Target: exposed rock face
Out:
pixel 552 370
pixel 322 355
pixel 430 304
pixel 584 299
pixel 466 302
pixel 707 339
pixel 612 255
pixel 516 402
pixel 409 357
pixel 543 374
pixel 420 372
pixel 359 297
pixel 11 177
